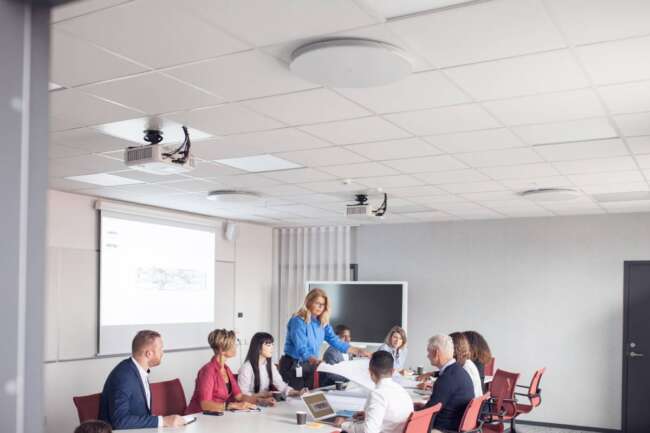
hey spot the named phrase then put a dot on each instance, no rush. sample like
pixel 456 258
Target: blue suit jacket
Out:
pixel 454 390
pixel 123 403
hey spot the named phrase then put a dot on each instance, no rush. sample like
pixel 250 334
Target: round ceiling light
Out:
pixel 551 194
pixel 350 62
pixel 233 196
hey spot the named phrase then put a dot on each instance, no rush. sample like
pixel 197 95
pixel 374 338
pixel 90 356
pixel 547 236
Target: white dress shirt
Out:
pixel 387 410
pixel 144 377
pixel 246 379
pixel 471 369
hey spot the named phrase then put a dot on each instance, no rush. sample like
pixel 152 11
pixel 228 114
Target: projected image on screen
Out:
pixel 155 273
pixel 368 309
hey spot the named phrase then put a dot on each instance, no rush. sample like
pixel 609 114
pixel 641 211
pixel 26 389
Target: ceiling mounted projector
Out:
pixel 233 196
pixel 551 194
pixel 350 63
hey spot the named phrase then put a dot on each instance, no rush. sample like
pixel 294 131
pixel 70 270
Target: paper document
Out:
pixel 355 371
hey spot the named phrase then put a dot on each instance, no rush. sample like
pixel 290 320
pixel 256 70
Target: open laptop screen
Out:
pixel 318 405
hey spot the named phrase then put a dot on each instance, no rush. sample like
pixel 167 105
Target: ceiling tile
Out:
pixel 148 177
pixel 147 189
pixel 334 186
pixel 89 140
pixel 437 200
pixel 444 120
pixel 78 109
pixel 596 165
pixel 210 169
pixel 256 143
pixel 587 21
pixel 264 23
pixel 153 94
pixel 414 191
pixel 627 98
pixel 643 160
pixel 311 106
pixel 55 151
pixel 523 171
pixel 415 92
pixel 356 130
pixel 353 171
pixel 627 206
pixel 519 76
pixel 475 140
pixel 245 75
pixel 248 181
pixel 300 175
pixel 614 177
pixel 453 176
pixel 394 149
pixel 82 165
pixel 634 124
pixel 500 28
pixel 386 183
pixel 425 164
pixel 639 145
pixel 191 185
pixel 73 9
pixel 282 190
pixel 499 199
pixel 582 150
pixel 225 120
pixel 575 130
pixel 67 184
pixel 536 183
pixel 615 62
pixel 493 158
pixel 553 107
pixel 457 188
pixel 187 39
pixel 75 62
pixel 429 216
pixel 322 157
pixel 259 163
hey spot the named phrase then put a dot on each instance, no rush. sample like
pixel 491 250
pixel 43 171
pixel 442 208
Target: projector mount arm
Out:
pixel 183 150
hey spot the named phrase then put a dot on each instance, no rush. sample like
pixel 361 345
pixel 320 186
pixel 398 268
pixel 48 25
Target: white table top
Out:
pixel 278 419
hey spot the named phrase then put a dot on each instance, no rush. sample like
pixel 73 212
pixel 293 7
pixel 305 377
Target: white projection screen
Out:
pixel 155 274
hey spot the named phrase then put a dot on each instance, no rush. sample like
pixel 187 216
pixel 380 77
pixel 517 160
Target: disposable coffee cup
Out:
pixel 339 385
pixel 301 418
pixel 420 370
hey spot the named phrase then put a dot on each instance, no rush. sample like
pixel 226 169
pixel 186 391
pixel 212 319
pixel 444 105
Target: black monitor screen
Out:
pixel 369 310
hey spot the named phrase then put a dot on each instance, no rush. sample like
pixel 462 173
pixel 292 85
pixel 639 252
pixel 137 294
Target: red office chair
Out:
pixel 471 423
pixel 168 398
pixel 420 421
pixel 488 369
pixel 87 406
pixel 503 406
pixel 533 394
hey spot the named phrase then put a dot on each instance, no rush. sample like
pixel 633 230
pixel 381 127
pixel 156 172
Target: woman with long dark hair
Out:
pixel 480 351
pixel 258 376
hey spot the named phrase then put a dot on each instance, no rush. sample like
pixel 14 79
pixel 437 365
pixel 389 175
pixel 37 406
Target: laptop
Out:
pixel 321 409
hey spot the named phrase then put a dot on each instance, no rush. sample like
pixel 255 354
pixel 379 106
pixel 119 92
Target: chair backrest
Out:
pixel 534 391
pixel 502 389
pixel 87 406
pixel 488 369
pixel 168 398
pixel 470 420
pixel 420 421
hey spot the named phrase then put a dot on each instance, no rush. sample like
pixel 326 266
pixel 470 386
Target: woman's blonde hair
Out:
pixel 304 312
pixel 399 330
pixel 461 347
pixel 222 340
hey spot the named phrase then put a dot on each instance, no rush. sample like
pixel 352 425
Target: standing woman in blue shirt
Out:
pixel 306 331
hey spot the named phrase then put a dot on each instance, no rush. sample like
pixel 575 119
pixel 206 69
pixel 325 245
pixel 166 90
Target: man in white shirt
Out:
pixel 388 406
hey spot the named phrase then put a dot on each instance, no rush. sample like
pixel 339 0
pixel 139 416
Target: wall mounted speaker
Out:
pixel 230 231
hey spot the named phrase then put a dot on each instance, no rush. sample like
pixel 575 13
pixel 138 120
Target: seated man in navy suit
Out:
pixel 126 397
pixel 453 388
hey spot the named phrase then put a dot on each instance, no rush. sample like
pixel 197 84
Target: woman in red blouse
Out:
pixel 216 387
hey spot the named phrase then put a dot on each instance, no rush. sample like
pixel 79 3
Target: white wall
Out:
pixel 243 284
pixel 545 292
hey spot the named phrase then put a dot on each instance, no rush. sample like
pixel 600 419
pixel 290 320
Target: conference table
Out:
pixel 278 419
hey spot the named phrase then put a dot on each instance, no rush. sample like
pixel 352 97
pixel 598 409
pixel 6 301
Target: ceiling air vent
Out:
pixel 550 194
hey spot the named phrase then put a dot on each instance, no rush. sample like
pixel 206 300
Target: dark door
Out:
pixel 636 348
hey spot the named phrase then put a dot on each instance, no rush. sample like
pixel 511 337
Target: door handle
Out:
pixel 636 355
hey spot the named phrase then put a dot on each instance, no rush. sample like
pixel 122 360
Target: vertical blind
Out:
pixel 303 254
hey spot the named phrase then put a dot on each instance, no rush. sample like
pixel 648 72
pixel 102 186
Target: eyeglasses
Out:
pixel 319 304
